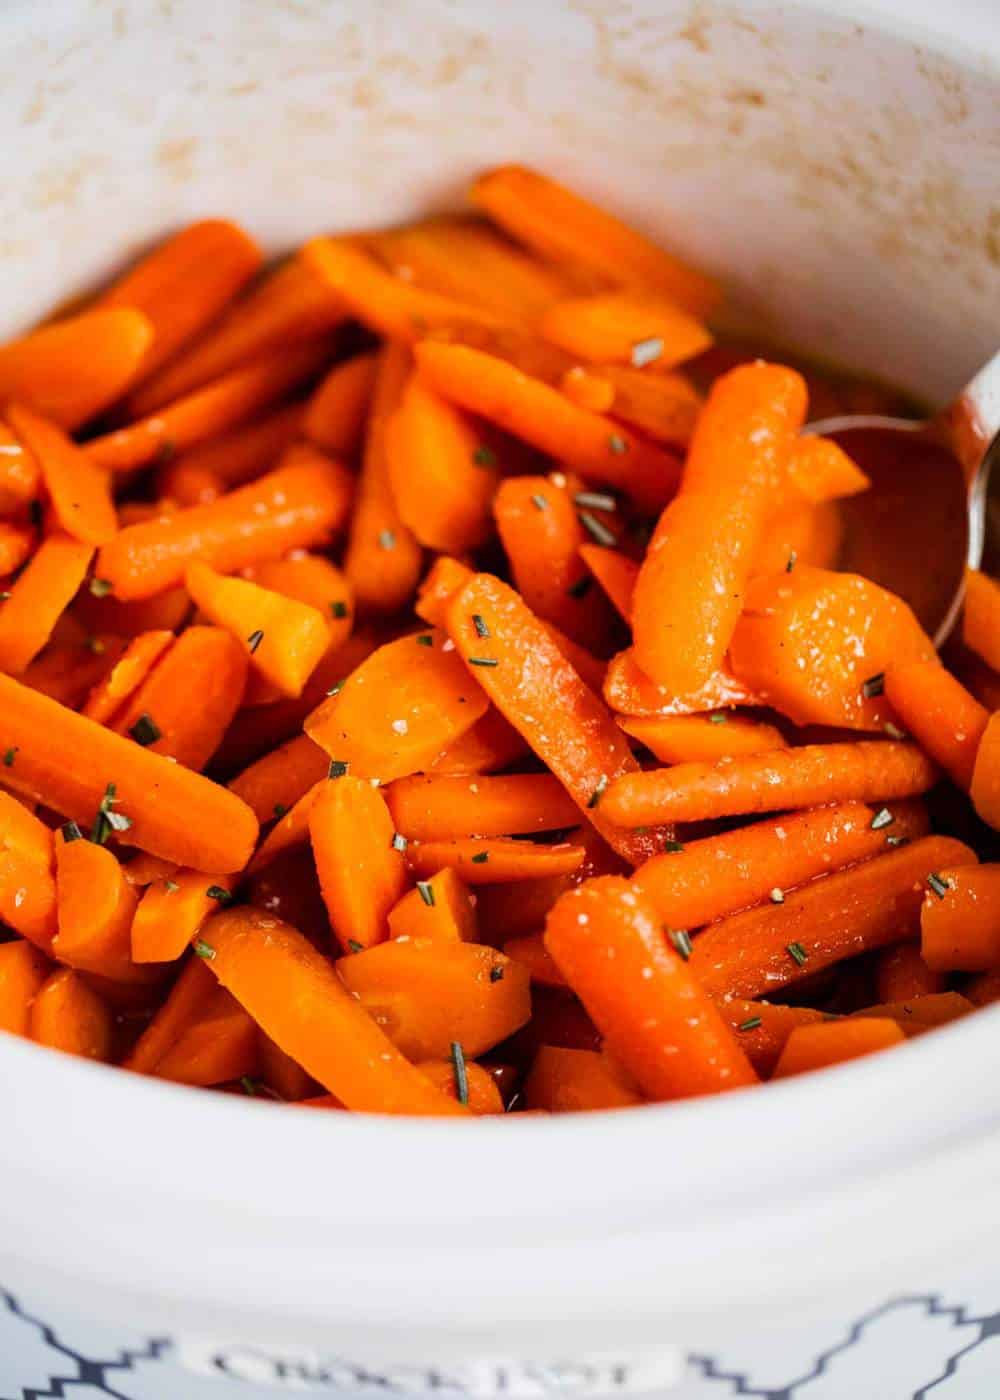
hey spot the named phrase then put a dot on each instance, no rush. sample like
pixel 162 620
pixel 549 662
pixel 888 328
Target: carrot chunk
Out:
pixel 362 873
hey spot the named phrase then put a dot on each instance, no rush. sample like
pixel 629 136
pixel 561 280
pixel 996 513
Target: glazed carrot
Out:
pixel 126 676
pixel 625 328
pixel 361 872
pixel 600 450
pixel 978 678
pixel 542 529
pixel 762 1029
pixel 815 645
pixel 442 478
pixel 275 782
pixel 172 910
pixel 39 597
pixel 587 388
pixel 510 911
pixel 188 997
pixel 981 618
pixel 67 761
pixel 429 994
pixel 663 406
pixel 289 306
pixel 72 369
pixel 575 1081
pixel 337 410
pixel 546 701
pixel 703 738
pixel 20 830
pixel 430 808
pixel 281 1074
pixel 20 475
pixel 185 704
pixel 383 558
pixel 183 485
pixel 690 590
pixel 244 453
pixel 901 974
pixel 495 861
pixel 68 671
pixel 143 870
pixel 16 542
pixel 655 1018
pixel 23 972
pixel 182 285
pixel 300 504
pixel 80 492
pixel 615 572
pixel 853 911
pixel 207 412
pixel 68 1015
pixel 399 709
pixel 832 1043
pixel 96 905
pixel 919 1014
pixel 630 691
pixel 312 579
pixel 296 997
pixel 960 920
pixel 490 745
pixel 940 714
pixel 820 470
pixel 566 228
pixel 800 535
pixel 479 1088
pixel 986 774
pixel 866 771
pixel 530 951
pixel 220 1046
pixel 443 909
pixel 165 612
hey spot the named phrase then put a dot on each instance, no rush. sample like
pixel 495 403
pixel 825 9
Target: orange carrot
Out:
pixel 901 974
pixel 296 997
pixel 67 762
pixel 630 691
pixel 690 590
pixel 480 1088
pixel 820 470
pixel 986 774
pixel 300 504
pixel 184 485
pixel 800 535
pixel 72 369
pixel 20 474
pixel 530 951
pixel 39 597
pixel 68 1015
pixel 703 738
pixel 983 990
pixel 616 573
pixel 281 1074
pixel 312 579
pixel 80 492
pixel 431 808
pixel 575 1081
pixel 16 543
pixel 337 410
pixel 563 226
pixel 23 971
pixel 429 994
pixel 246 452
pixel 361 872
pixel 221 1045
pixel 275 782
pixel 629 328
pixel 824 1045
pixel 960 920
pixel 68 671
pixel 188 998
pixel 762 1029
pixel 20 830
pixel 663 406
pixel 940 713
pixel 509 911
pixel 443 909
pixel 655 1018
pixel 924 1013
pixel 981 618
pixel 101 615
pixel 171 912
pixel 126 676
pixel 490 745
pixel 496 861
pixel 853 911
pixel 143 870
pixel 866 771
pixel 96 905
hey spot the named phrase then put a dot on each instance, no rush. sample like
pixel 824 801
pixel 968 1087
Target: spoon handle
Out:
pixel 972 420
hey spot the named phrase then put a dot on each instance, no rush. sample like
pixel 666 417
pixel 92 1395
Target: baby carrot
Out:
pixel 337 410
pixel 703 738
pixel 79 491
pixel 16 543
pixel 653 1014
pixel 960 920
pixel 482 861
pixel 615 572
pixel 480 1092
pixel 448 913
pixel 188 998
pixel 831 1043
pixel 246 452
pixel 981 618
pixel 96 905
pixel 362 873
pixel 986 774
pixel 20 475
pixel 23 971
pixel 68 671
pixel 919 1014
pixel 143 870
pixel 800 534
pixel 312 579
pixel 530 951
pixel 280 1073
pixel 663 406
pixel 940 714
pixel 172 910
pixel 39 597
pixel 762 1029
pixel 490 745
pixel 576 1081
pixel 820 470
pixel 623 328
pixel 430 808
pixel 630 691
pixel 902 974
pixel 291 829
pixel 128 673
pixel 220 1046
pixel 276 781
pixel 68 1015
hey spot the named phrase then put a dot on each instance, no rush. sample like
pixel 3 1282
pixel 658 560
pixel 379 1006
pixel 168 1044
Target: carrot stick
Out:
pixel 399 709
pixel 172 910
pixel 981 618
pixel 530 951
pixel 719 875
pixel 690 590
pixel 20 830
pixel 866 771
pixel 20 474
pixel 587 388
pixel 449 912
pixel 188 997
pixel 39 597
pixel 537 690
pixel 361 872
pixel 207 412
pixel 481 1092
pixel 430 994
pixel 220 1046
pixel 290 830
pixel 281 1074
pixel 703 738
pixel 183 285
pixel 337 410
pixel 383 558
pixel 625 328
pixel 663 406
pixel 67 761
pixel 114 690
pixel 493 862
pixel 298 505
pixel 600 450
pixel 563 226
pixel 655 1018
pixel 16 543
pixel 23 971
pixel 96 905
pixel 68 1015
pixel 165 612
pixel 295 995
pixel 246 452
pixel 431 808
pixel 853 911
pixel 901 974
pixel 960 920
pixel 820 470
pixel 576 1081
pixel 80 492
pixel 290 305
pixel 616 573
pixel 821 1046
pixel 72 369
pixel 630 691
pixel 275 782
pixel 490 745
pixel 183 485
pixel 986 774
pixel 762 1029
pixel 185 704
pixel 940 713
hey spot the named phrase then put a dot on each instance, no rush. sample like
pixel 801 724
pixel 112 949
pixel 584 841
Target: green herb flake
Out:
pixel 9 757
pixel 644 352
pixel 749 1025
pixel 335 690
pixel 280 809
pixel 386 539
pixel 204 950
pixel 480 858
pixel 461 1075
pixel 797 954
pixel 539 502
pixel 426 891
pixel 617 444
pixel 145 731
pixel 484 457
pixel 777 896
pixel 897 840
pixel 171 886
pixel 424 639
pixel 581 588
pixel 481 629
pixel 595 500
pixel 248 1086
pixel 338 768
pixel 220 893
pixel 882 818
pixel 496 972
pixel 483 661
pixel 673 846
pixel 718 719
pixel 874 685
pixel 71 832
pixel 254 640
pixel 100 587
pixel 399 842
pixel 792 560
pixel 355 946
pixel 599 791
pixel 681 941
pixel 338 608
pixel 597 530
pixel 939 886
pixel 108 820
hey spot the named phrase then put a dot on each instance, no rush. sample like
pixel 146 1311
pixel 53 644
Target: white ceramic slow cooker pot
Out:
pixel 834 1237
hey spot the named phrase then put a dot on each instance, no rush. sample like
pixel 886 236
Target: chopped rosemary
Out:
pixel 595 500
pixel 399 842
pixel 496 972
pixel 461 1077
pixel 386 539
pixel 673 846
pixel 599 791
pixel 883 817
pixel 484 457
pixel 480 858
pixel 248 1086
pixel 280 809
pixel 71 832
pixel 424 639
pixel 338 608
pixel 777 896
pixel 426 890
pixel 874 685
pixel 100 587
pixel 797 954
pixel 749 1025
pixel 681 940
pixel 9 756
pixel 718 719
pixel 939 886
pixel 481 629
pixel 893 730
pixel 254 640
pixel 793 559
pixel 539 502
pixel 171 886
pixel 581 588
pixel 483 661
pixel 220 893
pixel 597 530
pixel 644 352
pixel 338 768
pixel 204 950
pixel 355 946
pixel 617 444
pixel 145 731
pixel 107 819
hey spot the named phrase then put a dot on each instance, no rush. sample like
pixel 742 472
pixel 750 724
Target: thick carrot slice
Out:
pixel 656 1019
pixel 204 414
pixel 538 691
pixel 490 745
pixel 800 535
pixel 289 306
pixel 901 974
pixel 20 474
pixel 563 226
pixel 220 1046
pixel 23 972
pixel 496 861
pixel 431 808
pixel 300 504
pixel 600 450
pixel 399 709
pixel 854 911
pixel 79 491
pixel 182 285
pixel 690 590
pixel 68 1015
pixel 630 691
pixel 72 369
pixel 442 479
pixel 127 675
pixel 295 995
pixel 940 714
pixel 625 328
pixel 616 573
pixel 815 645
pixel 479 1088
pixel 172 910
pixel 866 771
pixel 96 905
pixel 820 470
pixel 428 994
pixel 443 909
pixel 244 453
pixel 361 872
pixel 188 998
pixel 576 1081
pixel 832 1043
pixel 981 619
pixel 16 542
pixel 275 782
pixel 39 598
pixel 719 875
pixel 184 706
pixel 960 920
pixel 337 410
pixel 67 761
pixel 986 774
pixel 663 406
pixel 762 1029
pixel 703 738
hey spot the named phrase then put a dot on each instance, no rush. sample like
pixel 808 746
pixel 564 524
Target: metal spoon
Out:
pixel 928 513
